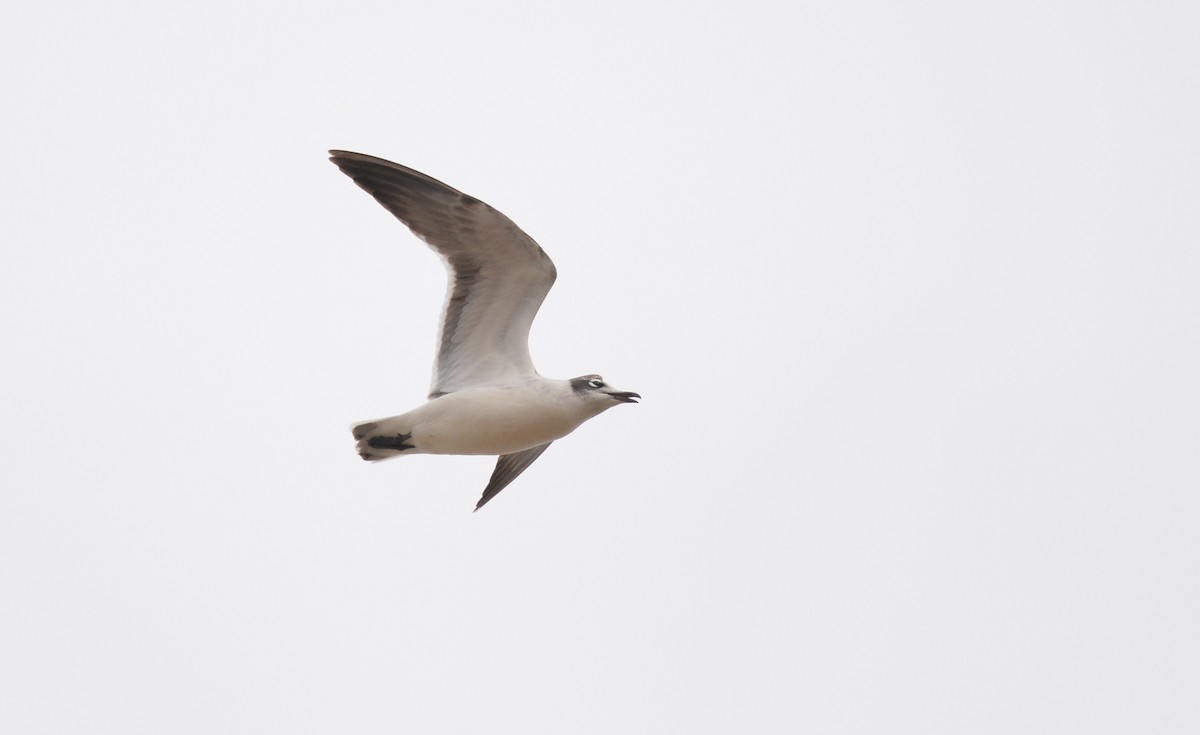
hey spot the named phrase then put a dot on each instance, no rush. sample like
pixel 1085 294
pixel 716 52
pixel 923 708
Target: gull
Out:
pixel 486 398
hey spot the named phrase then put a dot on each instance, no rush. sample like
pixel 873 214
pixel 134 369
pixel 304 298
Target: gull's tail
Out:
pixel 384 439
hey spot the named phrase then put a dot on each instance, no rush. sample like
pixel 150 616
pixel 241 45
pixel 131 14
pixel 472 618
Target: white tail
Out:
pixel 383 439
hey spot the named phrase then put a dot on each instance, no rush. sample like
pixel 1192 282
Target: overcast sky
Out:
pixel 911 291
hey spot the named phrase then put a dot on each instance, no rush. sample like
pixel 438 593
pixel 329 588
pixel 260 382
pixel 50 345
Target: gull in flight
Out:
pixel 486 397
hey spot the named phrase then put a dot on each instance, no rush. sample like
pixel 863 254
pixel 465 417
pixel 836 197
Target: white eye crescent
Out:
pixel 595 383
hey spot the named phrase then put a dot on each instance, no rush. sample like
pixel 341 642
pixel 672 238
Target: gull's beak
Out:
pixel 624 396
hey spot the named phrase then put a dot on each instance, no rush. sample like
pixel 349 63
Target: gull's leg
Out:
pixel 399 442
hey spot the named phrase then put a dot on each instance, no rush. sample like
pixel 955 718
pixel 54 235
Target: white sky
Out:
pixel 911 290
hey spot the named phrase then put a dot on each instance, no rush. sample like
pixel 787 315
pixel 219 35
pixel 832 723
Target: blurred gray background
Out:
pixel 910 290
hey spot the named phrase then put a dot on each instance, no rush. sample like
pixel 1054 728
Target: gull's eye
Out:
pixel 595 383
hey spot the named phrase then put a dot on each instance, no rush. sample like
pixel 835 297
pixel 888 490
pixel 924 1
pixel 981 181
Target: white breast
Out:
pixel 495 420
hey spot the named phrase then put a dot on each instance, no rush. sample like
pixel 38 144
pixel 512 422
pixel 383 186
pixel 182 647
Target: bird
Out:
pixel 485 398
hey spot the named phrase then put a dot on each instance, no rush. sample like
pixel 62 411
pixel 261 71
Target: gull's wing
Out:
pixel 508 467
pixel 498 274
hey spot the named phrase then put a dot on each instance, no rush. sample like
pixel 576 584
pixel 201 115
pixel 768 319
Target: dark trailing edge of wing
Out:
pixel 508 468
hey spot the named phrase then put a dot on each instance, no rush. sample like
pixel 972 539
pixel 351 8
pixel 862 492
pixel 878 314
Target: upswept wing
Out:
pixel 498 275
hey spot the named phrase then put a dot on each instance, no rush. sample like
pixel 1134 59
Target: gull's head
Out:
pixel 592 390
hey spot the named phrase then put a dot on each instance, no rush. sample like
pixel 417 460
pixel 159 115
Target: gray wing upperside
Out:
pixel 498 275
pixel 508 467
